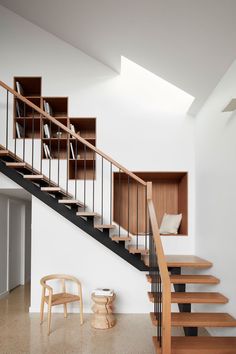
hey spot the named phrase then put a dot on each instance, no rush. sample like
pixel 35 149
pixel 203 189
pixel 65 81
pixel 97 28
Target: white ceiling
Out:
pixel 190 43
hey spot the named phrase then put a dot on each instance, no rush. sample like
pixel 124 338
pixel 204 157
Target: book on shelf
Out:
pixel 72 128
pixel 46 151
pixel 46 131
pixel 47 107
pixel 19 130
pixel 19 111
pixel 103 292
pixel 72 151
pixel 49 154
pixel 19 88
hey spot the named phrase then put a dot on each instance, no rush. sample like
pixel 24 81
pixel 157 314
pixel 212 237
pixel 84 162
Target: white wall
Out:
pixel 133 130
pixel 216 188
pixel 3 244
pixel 27 241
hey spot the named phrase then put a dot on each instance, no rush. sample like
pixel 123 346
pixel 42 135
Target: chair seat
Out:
pixel 62 298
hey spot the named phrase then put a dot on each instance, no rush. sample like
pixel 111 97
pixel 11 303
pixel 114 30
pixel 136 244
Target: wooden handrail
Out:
pixel 78 137
pixel 165 278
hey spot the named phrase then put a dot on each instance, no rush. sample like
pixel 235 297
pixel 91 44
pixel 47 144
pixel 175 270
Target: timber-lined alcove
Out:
pixel 170 195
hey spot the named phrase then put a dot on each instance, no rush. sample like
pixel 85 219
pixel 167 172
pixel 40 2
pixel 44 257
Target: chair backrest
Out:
pixel 63 278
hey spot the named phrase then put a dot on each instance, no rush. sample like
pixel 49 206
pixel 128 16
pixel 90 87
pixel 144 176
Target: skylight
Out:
pixel 152 89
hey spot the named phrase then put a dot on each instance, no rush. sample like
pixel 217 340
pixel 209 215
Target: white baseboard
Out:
pixel 4 294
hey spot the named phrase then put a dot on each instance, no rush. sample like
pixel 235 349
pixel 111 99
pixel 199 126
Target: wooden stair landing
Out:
pixel 200 345
pixel 198 319
pixel 194 298
pixel 187 261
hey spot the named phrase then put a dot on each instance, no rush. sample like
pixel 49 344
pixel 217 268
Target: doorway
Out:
pixel 19 243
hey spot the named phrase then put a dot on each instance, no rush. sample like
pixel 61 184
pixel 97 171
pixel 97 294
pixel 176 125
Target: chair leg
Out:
pixel 81 313
pixel 49 317
pixel 42 310
pixel 65 311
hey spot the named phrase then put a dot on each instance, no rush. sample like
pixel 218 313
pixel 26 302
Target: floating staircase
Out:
pixel 192 321
pixel 164 271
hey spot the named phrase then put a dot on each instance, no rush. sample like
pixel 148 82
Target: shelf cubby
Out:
pixel 170 195
pixel 58 106
pixel 54 145
pixel 86 169
pixel 31 86
pixel 32 128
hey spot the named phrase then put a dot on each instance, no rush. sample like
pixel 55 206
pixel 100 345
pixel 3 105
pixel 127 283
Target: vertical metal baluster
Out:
pixel 119 200
pixel 58 155
pixel 24 136
pixel 15 143
pixel 32 163
pixel 67 163
pixel 145 201
pixel 137 219
pixel 50 151
pixel 76 167
pixel 7 106
pixel 85 174
pixel 128 205
pixel 102 192
pixel 93 178
pixel 111 193
pixel 42 148
pixel 159 302
pixel 161 313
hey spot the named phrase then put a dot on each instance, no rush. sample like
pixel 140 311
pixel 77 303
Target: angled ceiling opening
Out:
pixel 153 89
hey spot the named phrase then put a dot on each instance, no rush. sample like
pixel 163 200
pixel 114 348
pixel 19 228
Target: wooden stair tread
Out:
pixel 86 213
pixel 187 261
pixel 70 201
pixel 33 176
pixel 62 298
pixel 15 164
pixel 200 345
pixel 190 279
pixel 50 189
pixel 104 226
pixel 4 152
pixel 134 250
pixel 199 319
pixel 121 238
pixel 194 298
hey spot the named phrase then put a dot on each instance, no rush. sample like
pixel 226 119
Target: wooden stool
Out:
pixel 103 317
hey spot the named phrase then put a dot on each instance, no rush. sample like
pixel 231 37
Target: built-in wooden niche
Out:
pixel 82 160
pixel 170 195
pixel 23 115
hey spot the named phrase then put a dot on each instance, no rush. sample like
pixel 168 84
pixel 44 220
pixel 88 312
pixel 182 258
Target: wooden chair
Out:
pixel 62 298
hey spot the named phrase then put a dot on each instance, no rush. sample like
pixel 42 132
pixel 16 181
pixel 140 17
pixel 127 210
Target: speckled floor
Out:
pixel 21 333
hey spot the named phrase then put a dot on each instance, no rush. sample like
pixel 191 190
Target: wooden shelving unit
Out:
pixel 30 87
pixel 84 164
pixel 170 195
pixel 58 142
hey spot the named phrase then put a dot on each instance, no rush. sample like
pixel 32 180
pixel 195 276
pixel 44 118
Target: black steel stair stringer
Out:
pixel 70 215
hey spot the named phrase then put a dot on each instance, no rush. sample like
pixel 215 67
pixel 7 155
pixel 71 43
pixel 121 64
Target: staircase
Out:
pixel 88 204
